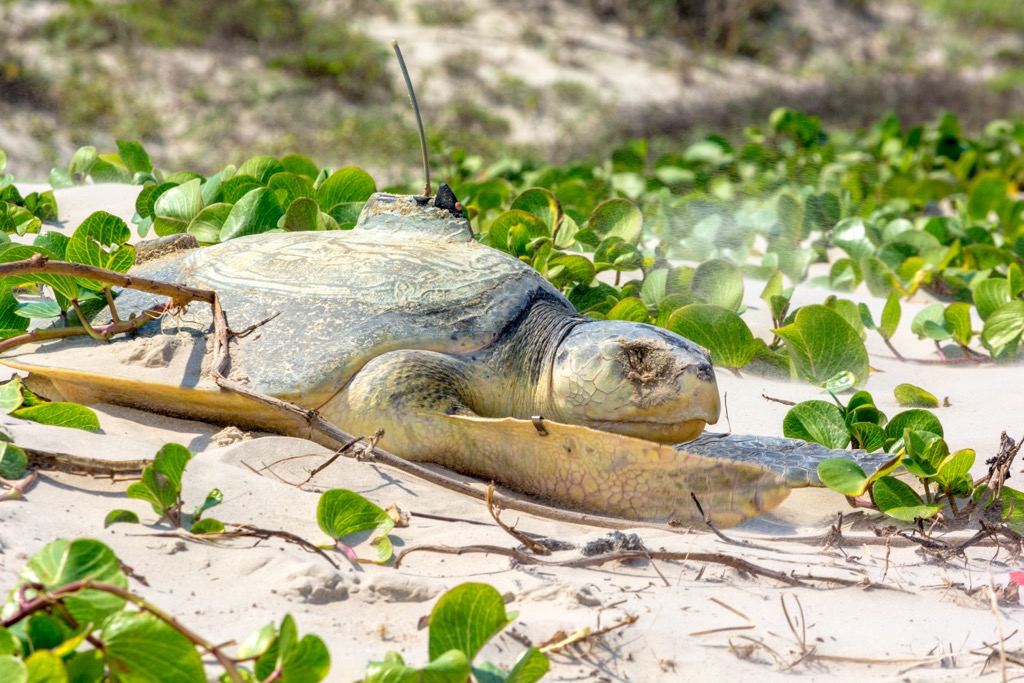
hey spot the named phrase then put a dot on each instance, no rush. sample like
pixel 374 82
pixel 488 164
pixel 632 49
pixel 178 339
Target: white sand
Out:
pixel 695 621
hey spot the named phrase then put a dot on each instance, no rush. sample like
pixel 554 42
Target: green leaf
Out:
pixel 134 157
pixel 542 204
pixel 341 513
pixel 208 223
pixel 869 435
pixel 629 308
pixel 896 499
pixel 141 648
pixel 957 317
pixel 207 526
pixel 60 414
pixel 990 294
pixel 718 282
pixel 257 642
pixel 817 421
pixel 10 394
pixel 890 316
pixel 617 218
pixel 160 484
pixel 988 193
pixel 120 517
pixel 843 476
pixel 100 241
pixel 845 275
pixel 956 468
pixel 567 269
pixel 513 230
pixel 239 186
pixel 289 187
pixel 38 309
pixel 877 276
pixel 1004 326
pixel 531 666
pixel 299 165
pixel 13 461
pixel 302 214
pixel 213 498
pixel 45 666
pixel 717 329
pixel 10 253
pixel 349 184
pixel 175 209
pixel 465 618
pixel 262 168
pixel 916 419
pixel 822 344
pixel 13 669
pixel 256 212
pixel 62 562
pixel 307 662
pixel 450 667
pixel 909 395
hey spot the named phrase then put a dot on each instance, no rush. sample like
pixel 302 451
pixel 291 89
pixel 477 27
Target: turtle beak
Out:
pixel 446 200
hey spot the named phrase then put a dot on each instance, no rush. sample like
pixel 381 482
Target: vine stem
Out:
pixel 53 598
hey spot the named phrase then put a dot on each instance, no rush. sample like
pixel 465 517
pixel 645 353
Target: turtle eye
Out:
pixel 446 200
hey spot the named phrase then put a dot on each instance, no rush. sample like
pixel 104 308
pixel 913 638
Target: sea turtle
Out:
pixel 409 324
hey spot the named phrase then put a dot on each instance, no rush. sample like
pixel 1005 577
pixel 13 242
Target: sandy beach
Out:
pixel 910 615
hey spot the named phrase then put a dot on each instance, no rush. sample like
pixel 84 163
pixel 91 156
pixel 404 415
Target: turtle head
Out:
pixel 634 379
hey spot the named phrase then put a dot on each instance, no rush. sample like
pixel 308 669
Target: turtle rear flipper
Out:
pixel 424 402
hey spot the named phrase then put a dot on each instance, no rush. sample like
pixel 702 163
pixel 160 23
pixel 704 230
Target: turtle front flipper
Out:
pixel 423 401
pixel 606 473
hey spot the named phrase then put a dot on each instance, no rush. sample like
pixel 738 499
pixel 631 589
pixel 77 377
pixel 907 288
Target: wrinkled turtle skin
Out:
pixel 407 323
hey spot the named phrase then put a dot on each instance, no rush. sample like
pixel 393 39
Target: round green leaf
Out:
pixel 957 317
pixel 567 269
pixel 101 241
pixel 13 461
pixel 262 168
pixel 896 499
pixel 629 308
pixel 341 512
pixel 1004 326
pixel 817 421
pixel 349 184
pixel 62 562
pixel 307 662
pixel 140 647
pixel 916 419
pixel 990 294
pixel 120 517
pixel 717 329
pixel 299 165
pixel 176 208
pixel 60 414
pixel 822 344
pixel 909 395
pixel 208 223
pixel 531 666
pixel 617 218
pixel 542 204
pixel 289 187
pixel 13 669
pixel 302 214
pixel 256 212
pixel 513 224
pixel 718 282
pixel 207 526
pixel 465 618
pixel 843 476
